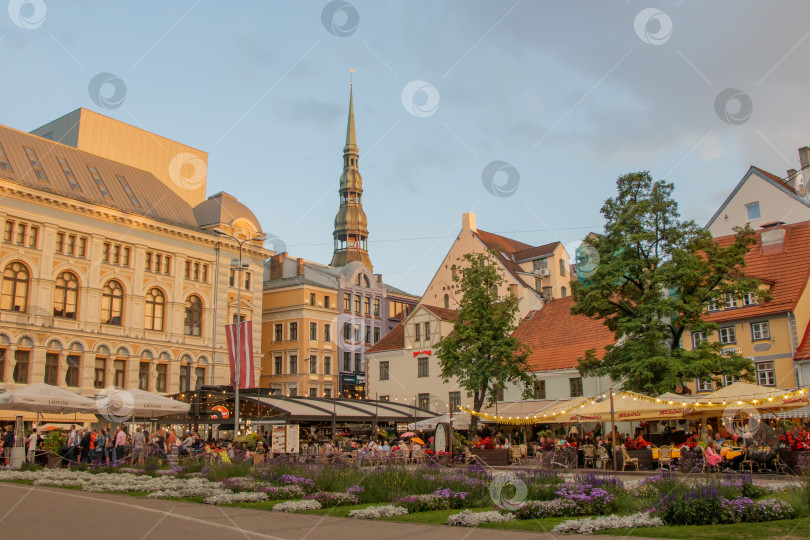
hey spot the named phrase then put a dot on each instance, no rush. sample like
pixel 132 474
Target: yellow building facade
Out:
pixel 769 333
pixel 299 320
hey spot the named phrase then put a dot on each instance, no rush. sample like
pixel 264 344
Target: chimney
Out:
pixel 772 237
pixel 468 220
pixel 379 278
pixel 276 263
pixel 299 271
pixel 791 177
pixel 804 159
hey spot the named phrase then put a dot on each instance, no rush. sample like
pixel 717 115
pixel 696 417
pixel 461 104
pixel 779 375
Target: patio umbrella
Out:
pixel 118 405
pixel 752 395
pixel 408 434
pixel 417 440
pixel 44 398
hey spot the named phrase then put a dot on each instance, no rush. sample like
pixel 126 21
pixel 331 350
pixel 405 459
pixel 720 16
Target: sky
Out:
pixel 524 112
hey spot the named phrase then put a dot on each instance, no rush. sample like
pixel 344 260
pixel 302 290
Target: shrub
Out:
pixel 441 499
pixel 469 519
pixel 376 512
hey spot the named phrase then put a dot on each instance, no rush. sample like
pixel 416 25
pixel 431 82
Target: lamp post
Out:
pixel 238 268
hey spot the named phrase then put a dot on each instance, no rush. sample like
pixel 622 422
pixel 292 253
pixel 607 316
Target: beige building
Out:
pixel 403 368
pixel 761 198
pixel 531 272
pixel 112 278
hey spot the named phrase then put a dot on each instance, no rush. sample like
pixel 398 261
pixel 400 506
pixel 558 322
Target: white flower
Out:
pixel 376 512
pixel 590 525
pixel 297 506
pixel 229 497
pixel 469 519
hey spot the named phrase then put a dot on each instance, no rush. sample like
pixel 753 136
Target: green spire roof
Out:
pixel 351 138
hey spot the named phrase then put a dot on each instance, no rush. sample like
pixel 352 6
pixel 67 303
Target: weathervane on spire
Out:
pixel 351 76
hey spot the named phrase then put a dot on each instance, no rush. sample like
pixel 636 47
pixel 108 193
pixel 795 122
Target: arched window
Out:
pixel 366 282
pixel 193 320
pixel 112 303
pixel 155 305
pixel 15 288
pixel 447 301
pixel 563 264
pixel 563 292
pixel 357 281
pixel 66 296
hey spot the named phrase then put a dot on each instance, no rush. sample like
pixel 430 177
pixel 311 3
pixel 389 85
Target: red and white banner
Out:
pixel 247 377
pixel 421 353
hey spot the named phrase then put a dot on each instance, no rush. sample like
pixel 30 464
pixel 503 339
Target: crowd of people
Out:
pixel 108 445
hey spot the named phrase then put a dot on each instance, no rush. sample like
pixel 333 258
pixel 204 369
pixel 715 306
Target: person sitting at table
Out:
pixel 710 454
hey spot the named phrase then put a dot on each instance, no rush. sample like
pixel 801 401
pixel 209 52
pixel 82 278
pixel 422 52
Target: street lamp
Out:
pixel 238 268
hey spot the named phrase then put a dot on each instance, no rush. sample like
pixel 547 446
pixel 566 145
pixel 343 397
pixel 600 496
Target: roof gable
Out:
pixel 394 340
pixel 768 178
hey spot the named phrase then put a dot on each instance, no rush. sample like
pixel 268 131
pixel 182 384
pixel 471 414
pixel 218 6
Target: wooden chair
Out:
pixel 665 457
pixel 603 457
pixel 628 460
pixel 588 456
pixel 748 462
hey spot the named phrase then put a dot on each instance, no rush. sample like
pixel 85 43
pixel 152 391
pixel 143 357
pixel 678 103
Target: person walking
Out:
pixel 109 443
pixel 8 444
pixel 33 439
pixel 120 444
pixel 84 445
pixel 137 447
pixel 101 443
pixel 72 444
pixel 172 447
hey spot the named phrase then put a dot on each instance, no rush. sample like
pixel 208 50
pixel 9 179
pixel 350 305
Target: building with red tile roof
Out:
pixel 772 334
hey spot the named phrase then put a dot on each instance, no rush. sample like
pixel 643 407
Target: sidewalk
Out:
pixel 38 512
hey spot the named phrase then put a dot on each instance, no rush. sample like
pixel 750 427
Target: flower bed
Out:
pixel 468 518
pixel 601 523
pixel 376 512
pixel 442 499
pixel 328 500
pixel 297 506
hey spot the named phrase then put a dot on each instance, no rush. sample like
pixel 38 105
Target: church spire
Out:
pixel 351 224
pixel 351 137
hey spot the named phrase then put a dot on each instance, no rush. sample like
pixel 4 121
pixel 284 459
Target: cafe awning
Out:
pixel 747 395
pixel 627 407
pixel 298 409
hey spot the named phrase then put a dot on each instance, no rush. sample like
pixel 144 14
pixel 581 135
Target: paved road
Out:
pixel 41 512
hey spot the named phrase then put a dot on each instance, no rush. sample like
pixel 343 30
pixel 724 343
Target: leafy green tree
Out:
pixel 481 352
pixel 655 277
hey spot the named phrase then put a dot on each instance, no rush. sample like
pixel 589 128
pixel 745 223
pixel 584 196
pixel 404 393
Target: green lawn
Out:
pixel 788 528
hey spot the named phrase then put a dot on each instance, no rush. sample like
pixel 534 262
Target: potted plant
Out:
pixel 53 443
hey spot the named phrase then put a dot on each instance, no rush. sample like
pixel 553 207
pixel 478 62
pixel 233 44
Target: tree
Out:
pixel 655 277
pixel 481 353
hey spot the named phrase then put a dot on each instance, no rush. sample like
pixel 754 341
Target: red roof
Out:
pixel 786 267
pixel 392 341
pixel 508 251
pixel 558 339
pixel 443 313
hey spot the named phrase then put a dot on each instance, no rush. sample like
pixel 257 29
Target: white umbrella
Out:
pixel 44 398
pixel 118 405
